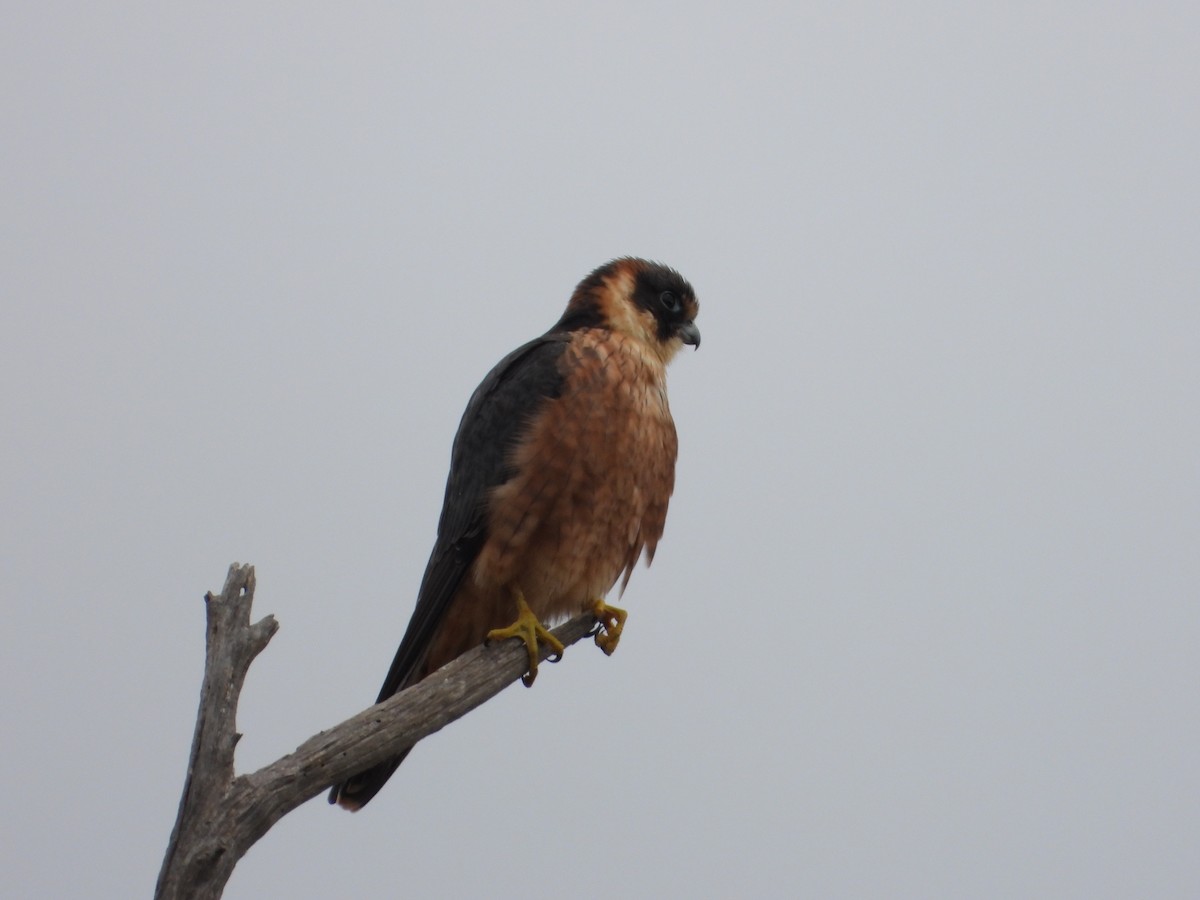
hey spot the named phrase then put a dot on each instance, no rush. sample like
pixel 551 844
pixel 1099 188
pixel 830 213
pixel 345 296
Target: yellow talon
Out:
pixel 529 630
pixel 612 623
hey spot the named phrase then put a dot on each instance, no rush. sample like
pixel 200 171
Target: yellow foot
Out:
pixel 529 630
pixel 611 622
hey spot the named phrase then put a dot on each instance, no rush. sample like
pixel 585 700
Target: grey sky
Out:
pixel 925 619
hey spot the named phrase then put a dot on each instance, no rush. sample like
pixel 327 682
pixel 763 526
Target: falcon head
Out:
pixel 647 301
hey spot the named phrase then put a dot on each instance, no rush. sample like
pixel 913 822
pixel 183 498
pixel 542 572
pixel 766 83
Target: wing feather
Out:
pixel 494 421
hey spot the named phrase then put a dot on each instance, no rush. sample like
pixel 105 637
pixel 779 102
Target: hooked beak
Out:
pixel 689 334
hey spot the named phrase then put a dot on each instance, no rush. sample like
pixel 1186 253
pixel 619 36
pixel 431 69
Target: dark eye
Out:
pixel 669 301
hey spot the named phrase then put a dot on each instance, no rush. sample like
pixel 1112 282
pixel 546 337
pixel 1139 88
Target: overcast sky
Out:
pixel 926 618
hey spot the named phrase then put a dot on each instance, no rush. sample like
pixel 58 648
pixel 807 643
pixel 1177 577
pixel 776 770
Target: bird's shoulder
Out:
pixel 497 415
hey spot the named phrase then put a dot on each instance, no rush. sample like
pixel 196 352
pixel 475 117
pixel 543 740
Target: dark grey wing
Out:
pixel 496 417
pixel 494 421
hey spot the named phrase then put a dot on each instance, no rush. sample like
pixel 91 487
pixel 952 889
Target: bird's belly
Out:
pixel 593 492
pixel 587 538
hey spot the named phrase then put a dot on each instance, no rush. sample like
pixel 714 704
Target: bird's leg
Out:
pixel 529 630
pixel 611 622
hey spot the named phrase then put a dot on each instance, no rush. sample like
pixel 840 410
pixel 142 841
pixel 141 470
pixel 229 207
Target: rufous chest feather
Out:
pixel 615 393
pixel 594 474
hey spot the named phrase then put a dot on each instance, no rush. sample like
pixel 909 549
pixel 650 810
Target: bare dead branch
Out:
pixel 221 814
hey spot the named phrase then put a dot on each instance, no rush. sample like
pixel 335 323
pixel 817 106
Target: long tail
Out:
pixel 409 667
pixel 355 792
pixel 413 663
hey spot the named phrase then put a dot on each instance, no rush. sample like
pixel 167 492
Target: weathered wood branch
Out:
pixel 221 814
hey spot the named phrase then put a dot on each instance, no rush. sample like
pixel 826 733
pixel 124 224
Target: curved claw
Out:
pixel 610 622
pixel 529 631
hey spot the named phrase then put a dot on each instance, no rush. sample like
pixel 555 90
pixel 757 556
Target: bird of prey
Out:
pixel 560 475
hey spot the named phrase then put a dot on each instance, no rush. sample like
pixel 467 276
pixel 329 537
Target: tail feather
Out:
pixel 356 792
pixel 413 663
